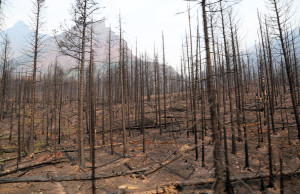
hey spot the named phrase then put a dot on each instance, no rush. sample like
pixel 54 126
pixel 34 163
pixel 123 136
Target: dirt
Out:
pixel 158 148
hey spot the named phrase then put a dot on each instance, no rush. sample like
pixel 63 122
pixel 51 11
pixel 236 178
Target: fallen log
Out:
pixel 253 105
pixel 9 159
pixel 83 177
pixel 80 177
pixel 182 131
pixel 155 125
pixel 110 162
pixel 11 150
pixel 286 126
pixel 161 165
pixel 210 181
pixel 146 127
pixel 165 162
pixel 169 169
pixel 283 108
pixel 23 173
pixel 116 153
pixel 44 163
pixel 190 174
pixel 128 166
pixel 174 152
pixel 18 163
pixel 15 157
pixel 254 109
pixel 70 158
pixel 4 135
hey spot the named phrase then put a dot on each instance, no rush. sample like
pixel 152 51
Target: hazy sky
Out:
pixel 143 19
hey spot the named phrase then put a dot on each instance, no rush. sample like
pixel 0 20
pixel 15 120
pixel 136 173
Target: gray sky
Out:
pixel 143 19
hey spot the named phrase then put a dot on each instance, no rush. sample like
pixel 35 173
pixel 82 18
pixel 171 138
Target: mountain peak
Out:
pixel 18 28
pixel 17 35
pixel 20 23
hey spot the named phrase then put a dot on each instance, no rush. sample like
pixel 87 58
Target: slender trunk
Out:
pixel 227 164
pixel 110 94
pixel 32 104
pixel 19 119
pixel 194 109
pixel 236 82
pixel 3 80
pixel 212 101
pixel 59 116
pixel 80 131
pixel 233 137
pixel 243 101
pixel 122 94
pixel 288 69
pixel 165 80
pixel 92 120
pixel 142 102
pixel 103 113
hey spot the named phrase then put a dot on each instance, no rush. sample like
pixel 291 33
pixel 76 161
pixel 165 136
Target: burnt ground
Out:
pixel 174 149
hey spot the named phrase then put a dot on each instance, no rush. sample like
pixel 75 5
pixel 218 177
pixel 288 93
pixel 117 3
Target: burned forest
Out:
pixel 86 108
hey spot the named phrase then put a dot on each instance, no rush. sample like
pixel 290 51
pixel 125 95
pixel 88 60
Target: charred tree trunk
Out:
pixel 288 67
pixel 233 137
pixel 213 109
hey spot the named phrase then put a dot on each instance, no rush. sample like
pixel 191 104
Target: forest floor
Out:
pixel 168 164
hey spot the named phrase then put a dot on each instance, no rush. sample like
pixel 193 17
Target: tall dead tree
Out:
pixel 39 6
pixel 158 91
pixel 73 44
pixel 213 107
pixel 194 104
pixel 19 117
pixel 236 78
pixel 60 106
pixel 54 106
pixel 229 80
pixel 142 78
pixel 83 7
pixel 110 94
pixel 227 164
pixel 165 80
pixel 122 73
pixel 243 97
pixel 5 60
pixel 271 86
pixel 281 9
pixel 269 105
pixel 91 98
pixel 92 111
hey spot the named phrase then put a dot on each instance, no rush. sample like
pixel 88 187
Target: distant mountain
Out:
pixel 101 37
pixel 18 36
pixel 20 31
